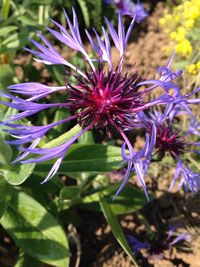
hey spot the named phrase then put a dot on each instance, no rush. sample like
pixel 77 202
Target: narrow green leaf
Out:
pixel 5 195
pixel 42 2
pixel 85 12
pixel 87 158
pixel 5 9
pixel 116 228
pixel 36 231
pixel 64 137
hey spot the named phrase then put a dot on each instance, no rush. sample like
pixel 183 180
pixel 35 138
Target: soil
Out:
pixel 98 246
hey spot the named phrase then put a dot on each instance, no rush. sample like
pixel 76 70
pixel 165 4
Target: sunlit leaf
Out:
pixel 116 228
pixel 18 173
pixel 35 230
pixel 5 193
pixel 5 153
pixel 6 30
pixel 64 137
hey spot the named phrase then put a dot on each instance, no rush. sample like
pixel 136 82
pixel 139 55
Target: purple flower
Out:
pixel 178 143
pixel 174 141
pixel 137 245
pixel 128 8
pixel 97 99
pixel 157 246
pixel 137 160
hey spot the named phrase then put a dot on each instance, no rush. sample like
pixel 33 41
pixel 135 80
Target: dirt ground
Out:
pixel 98 246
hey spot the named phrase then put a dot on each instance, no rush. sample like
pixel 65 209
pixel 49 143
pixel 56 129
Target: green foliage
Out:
pixel 28 210
pixel 85 12
pixel 6 194
pixel 91 12
pixel 5 9
pixel 5 153
pixel 25 260
pixel 18 173
pixel 6 75
pixel 116 228
pixel 35 230
pixel 87 158
pixel 129 200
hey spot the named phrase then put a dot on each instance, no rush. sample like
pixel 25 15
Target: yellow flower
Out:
pixel 178 36
pixel 198 65
pixel 177 18
pixel 184 48
pixel 162 21
pixel 189 23
pixel 179 24
pixel 192 69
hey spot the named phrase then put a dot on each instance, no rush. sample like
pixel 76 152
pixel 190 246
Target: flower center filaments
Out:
pixel 169 140
pixel 108 98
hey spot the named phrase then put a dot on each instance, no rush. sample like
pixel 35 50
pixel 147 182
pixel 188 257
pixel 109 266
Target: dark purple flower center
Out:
pixel 169 140
pixel 108 98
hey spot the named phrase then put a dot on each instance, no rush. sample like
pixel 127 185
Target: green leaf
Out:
pixel 5 193
pixel 129 200
pixel 86 138
pixel 4 31
pixel 9 112
pixel 116 228
pixel 25 260
pixel 52 187
pixel 5 152
pixel 85 12
pixel 64 137
pixel 6 75
pixel 5 9
pixel 26 20
pixel 36 231
pixel 42 2
pixel 58 72
pixel 15 41
pixel 87 158
pixel 70 192
pixel 18 173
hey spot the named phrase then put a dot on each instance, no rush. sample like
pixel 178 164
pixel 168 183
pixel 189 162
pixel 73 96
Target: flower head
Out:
pixel 172 140
pixel 108 98
pixel 157 246
pixel 97 98
pixel 128 8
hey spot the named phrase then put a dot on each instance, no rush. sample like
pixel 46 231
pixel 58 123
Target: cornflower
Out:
pixel 157 246
pixel 172 141
pixel 97 99
pixel 128 8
